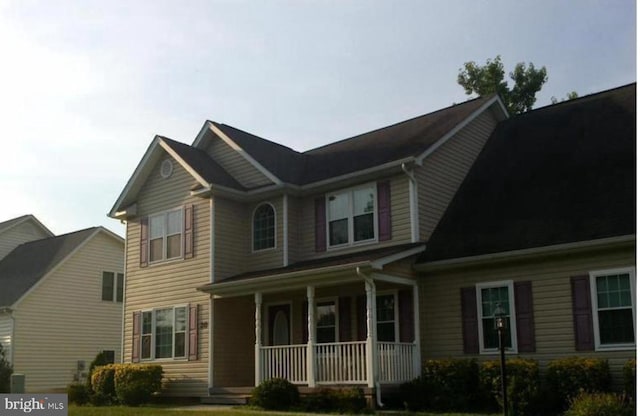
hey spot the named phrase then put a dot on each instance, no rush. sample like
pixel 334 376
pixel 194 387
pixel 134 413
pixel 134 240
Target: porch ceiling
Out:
pixel 319 272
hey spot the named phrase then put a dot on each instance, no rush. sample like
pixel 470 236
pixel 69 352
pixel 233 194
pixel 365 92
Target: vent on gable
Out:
pixel 166 168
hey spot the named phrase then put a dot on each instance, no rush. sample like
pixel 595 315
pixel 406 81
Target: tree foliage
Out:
pixel 5 372
pixel 570 96
pixel 489 79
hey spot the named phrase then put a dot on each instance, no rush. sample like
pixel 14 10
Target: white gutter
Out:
pixel 529 252
pixel 413 202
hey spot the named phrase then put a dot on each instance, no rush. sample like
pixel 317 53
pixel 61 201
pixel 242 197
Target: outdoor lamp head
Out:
pixel 499 315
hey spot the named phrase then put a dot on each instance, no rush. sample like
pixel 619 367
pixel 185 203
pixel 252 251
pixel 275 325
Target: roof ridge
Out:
pixel 396 124
pixel 268 141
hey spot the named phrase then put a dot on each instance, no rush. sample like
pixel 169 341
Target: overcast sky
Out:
pixel 85 85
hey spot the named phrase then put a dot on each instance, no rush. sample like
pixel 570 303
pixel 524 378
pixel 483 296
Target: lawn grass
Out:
pixel 239 411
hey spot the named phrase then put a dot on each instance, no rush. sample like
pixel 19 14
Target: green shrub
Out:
pixel 599 404
pixel 103 384
pixel 135 383
pixel 101 359
pixel 343 400
pixel 629 376
pixel 275 394
pixel 5 372
pixel 78 393
pixel 445 385
pixel 566 377
pixel 523 384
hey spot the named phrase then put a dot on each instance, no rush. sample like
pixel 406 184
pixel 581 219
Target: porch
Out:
pixel 353 324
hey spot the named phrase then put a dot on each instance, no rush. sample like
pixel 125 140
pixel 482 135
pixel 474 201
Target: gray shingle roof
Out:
pixel 560 174
pixel 29 262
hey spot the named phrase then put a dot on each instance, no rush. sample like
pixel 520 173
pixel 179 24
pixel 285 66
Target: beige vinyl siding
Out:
pixel 171 283
pixel 400 222
pixel 445 169
pixel 234 239
pixel 20 234
pixel 235 164
pixel 6 329
pixel 440 309
pixel 63 319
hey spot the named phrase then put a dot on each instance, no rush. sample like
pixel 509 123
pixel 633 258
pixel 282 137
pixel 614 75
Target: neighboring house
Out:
pixel 20 230
pixel 60 304
pixel 247 260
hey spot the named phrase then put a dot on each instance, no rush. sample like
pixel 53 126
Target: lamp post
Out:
pixel 500 324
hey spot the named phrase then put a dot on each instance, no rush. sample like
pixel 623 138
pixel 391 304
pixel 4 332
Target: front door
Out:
pixel 279 324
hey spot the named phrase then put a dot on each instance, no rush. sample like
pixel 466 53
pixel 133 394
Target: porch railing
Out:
pixel 285 361
pixel 395 362
pixel 341 362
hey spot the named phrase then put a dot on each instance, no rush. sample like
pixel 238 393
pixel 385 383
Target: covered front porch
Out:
pixel 355 323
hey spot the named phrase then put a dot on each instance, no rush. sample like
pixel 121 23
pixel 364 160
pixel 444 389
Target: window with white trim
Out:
pixel 166 235
pixel 613 294
pixel 326 322
pixel 164 333
pixel 489 297
pixel 112 286
pixel 386 317
pixel 264 227
pixel 351 216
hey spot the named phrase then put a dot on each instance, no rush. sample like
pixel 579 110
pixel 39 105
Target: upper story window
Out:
pixel 264 227
pixel 351 215
pixel 489 297
pixel 165 235
pixel 112 286
pixel 613 294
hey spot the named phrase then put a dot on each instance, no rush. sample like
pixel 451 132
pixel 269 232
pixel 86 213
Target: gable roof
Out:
pixel 560 174
pixel 6 225
pixel 21 269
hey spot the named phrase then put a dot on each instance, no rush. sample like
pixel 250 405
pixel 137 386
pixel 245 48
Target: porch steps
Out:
pixel 228 395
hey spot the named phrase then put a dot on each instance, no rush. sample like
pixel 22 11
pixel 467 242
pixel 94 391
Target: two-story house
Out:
pixel 60 300
pixel 247 260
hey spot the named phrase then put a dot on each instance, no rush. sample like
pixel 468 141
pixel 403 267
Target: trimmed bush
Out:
pixel 136 383
pixel 566 377
pixel 343 400
pixel 445 385
pixel 100 360
pixel 78 393
pixel 629 377
pixel 275 394
pixel 103 384
pixel 599 404
pixel 5 372
pixel 523 384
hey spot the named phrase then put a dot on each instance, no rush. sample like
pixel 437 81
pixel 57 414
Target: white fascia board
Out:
pixel 202 134
pixel 525 253
pixel 243 153
pixel 381 277
pixel 184 164
pixel 460 126
pixel 55 268
pixel 380 263
pixel 136 177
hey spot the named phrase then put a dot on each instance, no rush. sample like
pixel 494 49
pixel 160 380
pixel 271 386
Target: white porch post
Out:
pixel 371 352
pixel 258 324
pixel 311 342
pixel 417 362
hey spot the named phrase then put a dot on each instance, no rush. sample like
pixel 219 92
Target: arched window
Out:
pixel 264 227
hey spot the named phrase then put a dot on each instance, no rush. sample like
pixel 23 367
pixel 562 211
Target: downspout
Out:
pixel 124 289
pixel 369 282
pixel 9 312
pixel 413 208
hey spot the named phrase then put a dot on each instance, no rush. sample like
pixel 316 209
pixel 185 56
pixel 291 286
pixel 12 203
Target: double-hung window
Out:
pixel 613 294
pixel 164 333
pixel 489 297
pixel 326 322
pixel 351 216
pixel 386 317
pixel 165 235
pixel 112 286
